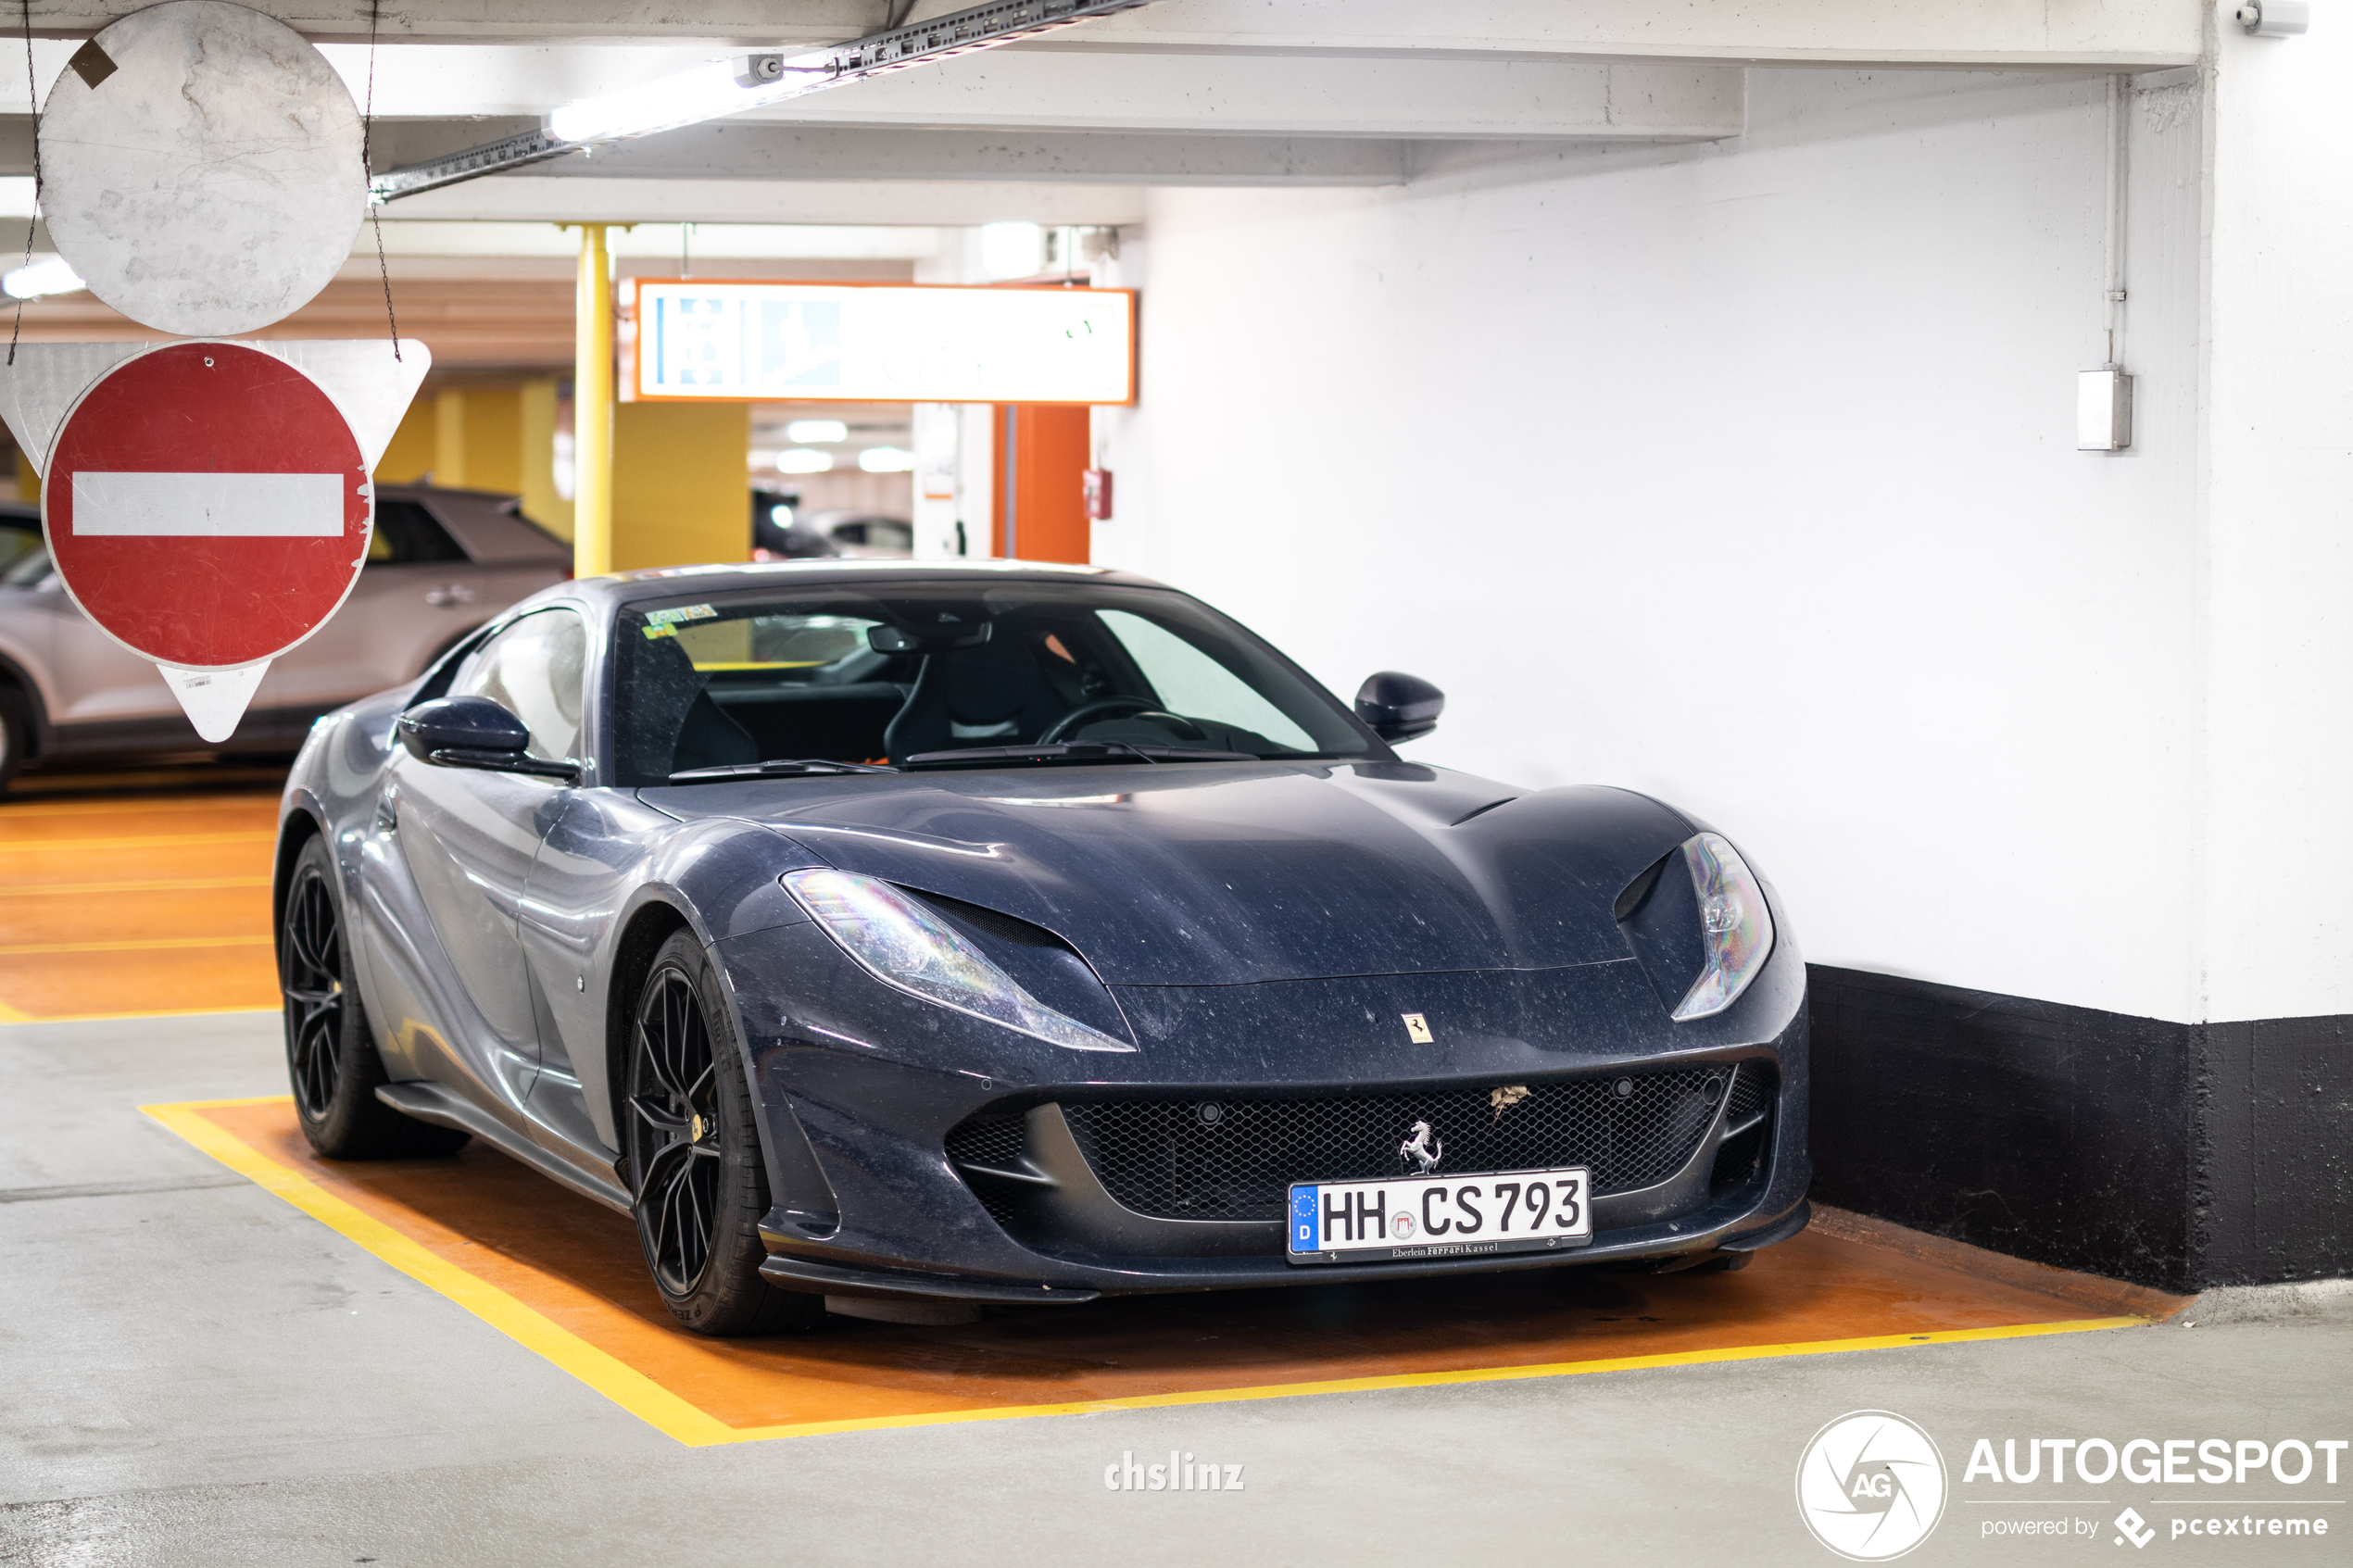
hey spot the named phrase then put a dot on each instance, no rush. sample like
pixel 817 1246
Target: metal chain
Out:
pixel 366 172
pixel 33 105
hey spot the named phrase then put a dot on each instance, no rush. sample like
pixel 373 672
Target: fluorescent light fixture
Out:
pixel 1011 250
pixel 49 275
pixel 886 459
pixel 805 431
pixel 804 459
pixel 708 91
pixel 762 459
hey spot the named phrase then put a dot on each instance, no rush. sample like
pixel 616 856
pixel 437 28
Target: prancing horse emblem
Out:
pixel 1422 1148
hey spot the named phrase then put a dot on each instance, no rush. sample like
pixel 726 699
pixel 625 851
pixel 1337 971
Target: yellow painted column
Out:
pixel 592 408
pixel 537 408
pixel 415 447
pixel 682 484
pixel 449 439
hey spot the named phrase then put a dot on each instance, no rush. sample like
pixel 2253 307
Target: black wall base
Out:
pixel 2176 1155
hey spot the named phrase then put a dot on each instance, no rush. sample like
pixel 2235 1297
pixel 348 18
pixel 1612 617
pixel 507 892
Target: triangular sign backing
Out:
pixel 370 387
pixel 215 700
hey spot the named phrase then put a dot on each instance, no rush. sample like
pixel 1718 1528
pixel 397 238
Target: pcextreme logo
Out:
pixel 1870 1486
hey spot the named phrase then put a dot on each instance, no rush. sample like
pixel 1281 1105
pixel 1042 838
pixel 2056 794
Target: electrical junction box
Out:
pixel 2103 410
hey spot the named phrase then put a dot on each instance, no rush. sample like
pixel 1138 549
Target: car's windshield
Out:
pixel 945 676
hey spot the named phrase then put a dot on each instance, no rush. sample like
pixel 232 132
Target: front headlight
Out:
pixel 1736 929
pixel 901 943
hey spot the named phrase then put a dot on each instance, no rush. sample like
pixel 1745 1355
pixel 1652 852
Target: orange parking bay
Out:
pixel 564 1277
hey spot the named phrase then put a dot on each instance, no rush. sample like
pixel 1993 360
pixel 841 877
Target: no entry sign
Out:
pixel 207 505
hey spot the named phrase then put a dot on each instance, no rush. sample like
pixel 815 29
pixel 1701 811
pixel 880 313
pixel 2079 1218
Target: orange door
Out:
pixel 1041 485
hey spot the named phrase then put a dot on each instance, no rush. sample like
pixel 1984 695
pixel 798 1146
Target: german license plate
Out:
pixel 1439 1216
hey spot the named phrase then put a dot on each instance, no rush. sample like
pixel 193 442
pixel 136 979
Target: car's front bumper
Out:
pixel 862 1087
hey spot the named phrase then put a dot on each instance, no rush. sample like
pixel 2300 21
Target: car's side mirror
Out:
pixel 1399 707
pixel 473 732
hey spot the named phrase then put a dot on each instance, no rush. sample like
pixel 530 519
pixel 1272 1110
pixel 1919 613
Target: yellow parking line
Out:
pixel 13 1015
pixel 150 944
pixel 650 1402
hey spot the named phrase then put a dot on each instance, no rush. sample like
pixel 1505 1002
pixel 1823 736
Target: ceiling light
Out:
pixel 886 459
pixel 817 430
pixel 699 93
pixel 51 274
pixel 1011 250
pixel 761 460
pixel 804 459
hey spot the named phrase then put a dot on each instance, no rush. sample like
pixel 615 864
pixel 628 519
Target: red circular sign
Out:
pixel 207 505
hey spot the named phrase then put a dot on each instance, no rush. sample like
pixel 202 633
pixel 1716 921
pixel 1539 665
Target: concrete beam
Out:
pixel 1981 33
pixel 1024 89
pixel 751 150
pixel 2130 34
pixel 540 197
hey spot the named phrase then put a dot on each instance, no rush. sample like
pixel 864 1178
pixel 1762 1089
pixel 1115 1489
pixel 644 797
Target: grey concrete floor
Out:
pixel 193 1373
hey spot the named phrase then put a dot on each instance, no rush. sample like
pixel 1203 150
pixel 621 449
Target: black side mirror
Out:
pixel 473 732
pixel 1399 707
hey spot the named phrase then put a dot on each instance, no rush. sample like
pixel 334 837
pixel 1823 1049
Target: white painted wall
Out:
pixel 2277 935
pixel 1761 496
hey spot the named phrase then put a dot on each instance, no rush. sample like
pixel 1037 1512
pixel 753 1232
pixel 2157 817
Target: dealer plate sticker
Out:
pixel 1439 1216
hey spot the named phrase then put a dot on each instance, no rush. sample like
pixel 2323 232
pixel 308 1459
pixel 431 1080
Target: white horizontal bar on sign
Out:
pixel 207 506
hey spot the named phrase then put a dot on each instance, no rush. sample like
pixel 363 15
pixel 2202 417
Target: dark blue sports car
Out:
pixel 902 938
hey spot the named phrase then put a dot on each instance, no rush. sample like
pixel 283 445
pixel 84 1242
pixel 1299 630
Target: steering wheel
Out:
pixel 1107 706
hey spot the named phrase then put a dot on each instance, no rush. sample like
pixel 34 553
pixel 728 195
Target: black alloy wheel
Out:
pixel 698 1185
pixel 310 975
pixel 674 1126
pixel 331 1058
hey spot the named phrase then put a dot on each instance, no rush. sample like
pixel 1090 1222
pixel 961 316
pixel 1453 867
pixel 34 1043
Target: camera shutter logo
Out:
pixel 1870 1486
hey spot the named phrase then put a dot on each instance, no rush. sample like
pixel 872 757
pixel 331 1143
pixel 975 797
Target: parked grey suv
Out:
pixel 442 562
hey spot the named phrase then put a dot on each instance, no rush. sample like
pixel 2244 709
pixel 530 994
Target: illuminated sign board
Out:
pixel 882 342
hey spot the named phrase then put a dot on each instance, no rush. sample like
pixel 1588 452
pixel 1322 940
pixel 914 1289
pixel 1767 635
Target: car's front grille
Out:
pixel 1233 1159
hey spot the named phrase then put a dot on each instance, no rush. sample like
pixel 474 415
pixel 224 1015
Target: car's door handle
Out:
pixel 442 595
pixel 387 812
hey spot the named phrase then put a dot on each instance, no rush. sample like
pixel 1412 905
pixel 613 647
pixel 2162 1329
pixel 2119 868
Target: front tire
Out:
pixel 330 1056
pixel 15 736
pixel 698 1184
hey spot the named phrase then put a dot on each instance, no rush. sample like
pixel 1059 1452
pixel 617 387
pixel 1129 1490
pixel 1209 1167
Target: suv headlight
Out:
pixel 901 943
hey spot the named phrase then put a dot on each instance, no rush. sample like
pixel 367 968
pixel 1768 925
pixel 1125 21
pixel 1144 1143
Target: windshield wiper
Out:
pixel 1071 751
pixel 779 765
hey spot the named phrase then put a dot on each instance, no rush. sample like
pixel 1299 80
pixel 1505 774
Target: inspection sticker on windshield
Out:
pixel 1439 1216
pixel 683 613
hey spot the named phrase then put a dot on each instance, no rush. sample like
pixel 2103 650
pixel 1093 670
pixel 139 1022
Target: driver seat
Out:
pixel 992 695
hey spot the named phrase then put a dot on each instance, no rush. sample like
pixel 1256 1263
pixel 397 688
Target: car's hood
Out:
pixel 1215 874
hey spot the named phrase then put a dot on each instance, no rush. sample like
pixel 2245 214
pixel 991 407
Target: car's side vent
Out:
pixel 1748 1123
pixel 981 1144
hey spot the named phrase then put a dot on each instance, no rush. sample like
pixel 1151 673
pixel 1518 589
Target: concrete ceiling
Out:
pixel 1072 127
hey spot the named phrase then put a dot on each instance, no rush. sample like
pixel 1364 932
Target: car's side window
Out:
pixel 535 669
pixel 1190 683
pixel 407 532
